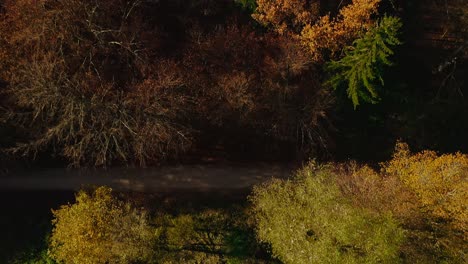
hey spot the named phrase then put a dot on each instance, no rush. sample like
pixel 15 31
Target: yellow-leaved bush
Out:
pixel 99 228
pixel 425 192
pixel 439 181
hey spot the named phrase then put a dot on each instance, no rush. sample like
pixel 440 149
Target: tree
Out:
pixel 329 35
pixel 308 220
pixel 99 228
pixel 84 88
pixel 363 62
pixel 425 192
pixel 320 35
pixel 259 88
pixel 286 16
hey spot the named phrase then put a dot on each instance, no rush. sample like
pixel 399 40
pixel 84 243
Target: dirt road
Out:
pixel 187 177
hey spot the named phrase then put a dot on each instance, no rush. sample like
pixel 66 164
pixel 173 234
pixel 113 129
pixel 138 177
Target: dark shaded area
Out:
pixel 423 100
pixel 189 201
pixel 26 215
pixel 26 220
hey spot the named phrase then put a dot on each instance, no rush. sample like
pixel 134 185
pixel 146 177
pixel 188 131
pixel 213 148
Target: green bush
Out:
pixel 33 257
pixel 308 220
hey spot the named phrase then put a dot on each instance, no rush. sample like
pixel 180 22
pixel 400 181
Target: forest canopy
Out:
pixel 95 83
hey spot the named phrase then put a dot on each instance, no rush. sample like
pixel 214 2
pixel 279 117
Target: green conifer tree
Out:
pixel 361 66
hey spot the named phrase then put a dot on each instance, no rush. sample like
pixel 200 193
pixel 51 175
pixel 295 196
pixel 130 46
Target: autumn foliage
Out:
pixel 260 86
pixel 438 181
pixel 319 33
pixel 103 82
pixel 140 83
pixel 425 192
pixel 411 210
pixel 99 228
pixel 82 86
pixel 287 15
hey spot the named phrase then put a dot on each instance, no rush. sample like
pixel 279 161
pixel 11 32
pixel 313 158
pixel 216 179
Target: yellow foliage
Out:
pixel 100 229
pixel 439 181
pixel 285 15
pixel 424 192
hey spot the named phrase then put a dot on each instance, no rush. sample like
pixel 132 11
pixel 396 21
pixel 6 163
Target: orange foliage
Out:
pixel 86 35
pixel 257 82
pixel 334 34
pixel 301 19
pixel 93 83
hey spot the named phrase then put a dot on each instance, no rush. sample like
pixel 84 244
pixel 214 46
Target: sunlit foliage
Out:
pixel 329 37
pixel 333 34
pixel 309 220
pixel 287 15
pixel 439 181
pixel 425 192
pixel 367 188
pixel 321 35
pixel 98 88
pixel 98 228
